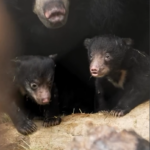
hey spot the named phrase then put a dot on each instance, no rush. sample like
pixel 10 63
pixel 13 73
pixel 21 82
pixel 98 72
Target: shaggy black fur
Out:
pixel 34 93
pixel 86 18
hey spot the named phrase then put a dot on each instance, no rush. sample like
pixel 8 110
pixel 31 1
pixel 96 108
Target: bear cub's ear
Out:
pixel 87 43
pixel 128 41
pixel 54 56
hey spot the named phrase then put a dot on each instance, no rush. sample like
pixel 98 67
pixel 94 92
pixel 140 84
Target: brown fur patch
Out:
pixel 22 90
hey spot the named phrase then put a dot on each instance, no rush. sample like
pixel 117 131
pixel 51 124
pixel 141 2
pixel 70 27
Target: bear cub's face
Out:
pixel 106 53
pixel 34 76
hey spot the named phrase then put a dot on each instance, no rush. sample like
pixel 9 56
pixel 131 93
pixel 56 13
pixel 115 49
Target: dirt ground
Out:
pixel 57 137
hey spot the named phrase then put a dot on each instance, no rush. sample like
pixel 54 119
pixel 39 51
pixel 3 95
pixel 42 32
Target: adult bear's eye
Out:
pixel 107 57
pixel 91 56
pixel 34 86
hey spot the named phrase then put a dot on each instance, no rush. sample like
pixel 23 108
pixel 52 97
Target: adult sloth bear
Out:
pixel 60 26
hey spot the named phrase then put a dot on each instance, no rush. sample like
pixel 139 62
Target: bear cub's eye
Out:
pixel 49 84
pixel 34 86
pixel 50 81
pixel 107 57
pixel 91 56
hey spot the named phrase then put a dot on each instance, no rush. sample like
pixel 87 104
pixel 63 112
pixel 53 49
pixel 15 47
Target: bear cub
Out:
pixel 121 74
pixel 35 93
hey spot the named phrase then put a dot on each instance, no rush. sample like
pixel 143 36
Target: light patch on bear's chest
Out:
pixel 121 80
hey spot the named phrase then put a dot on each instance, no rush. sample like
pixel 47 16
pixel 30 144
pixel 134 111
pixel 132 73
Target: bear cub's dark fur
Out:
pixel 122 74
pixel 35 93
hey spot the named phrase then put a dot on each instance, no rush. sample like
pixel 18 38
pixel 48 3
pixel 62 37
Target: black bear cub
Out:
pixel 35 93
pixel 122 74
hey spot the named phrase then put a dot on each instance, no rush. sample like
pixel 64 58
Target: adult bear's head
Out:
pixel 52 13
